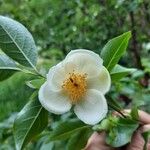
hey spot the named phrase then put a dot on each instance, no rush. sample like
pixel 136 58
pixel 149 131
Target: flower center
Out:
pixel 75 86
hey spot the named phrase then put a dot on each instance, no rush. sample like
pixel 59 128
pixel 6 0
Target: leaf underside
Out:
pixel 17 42
pixel 7 67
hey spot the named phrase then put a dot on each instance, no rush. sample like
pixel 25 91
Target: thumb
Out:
pixel 137 141
pixel 97 142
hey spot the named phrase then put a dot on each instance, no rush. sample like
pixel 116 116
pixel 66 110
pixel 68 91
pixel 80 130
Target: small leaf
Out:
pixel 7 67
pixel 134 113
pixel 65 129
pixel 103 126
pixel 32 120
pixel 79 140
pixel 17 42
pixel 36 83
pixel 114 49
pixel 119 72
pixel 121 133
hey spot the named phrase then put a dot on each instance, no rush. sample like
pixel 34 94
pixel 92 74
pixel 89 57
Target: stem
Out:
pixel 31 72
pixel 146 10
pixel 117 110
pixel 141 123
pixel 135 51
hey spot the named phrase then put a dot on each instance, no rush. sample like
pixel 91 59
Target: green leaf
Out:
pixel 36 83
pixel 119 72
pixel 114 49
pixel 103 126
pixel 79 140
pixel 7 67
pixel 14 94
pixel 134 113
pixel 17 42
pixel 32 120
pixel 66 129
pixel 121 133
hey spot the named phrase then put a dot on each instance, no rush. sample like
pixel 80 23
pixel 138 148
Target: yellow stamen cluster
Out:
pixel 75 86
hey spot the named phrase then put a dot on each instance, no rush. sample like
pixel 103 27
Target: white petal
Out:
pixel 58 74
pixel 55 102
pixel 102 82
pixel 86 61
pixel 69 66
pixel 85 53
pixel 93 108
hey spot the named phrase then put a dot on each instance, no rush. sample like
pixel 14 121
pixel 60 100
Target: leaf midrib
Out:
pixel 59 136
pixel 31 126
pixel 112 73
pixel 18 47
pixel 115 53
pixel 9 68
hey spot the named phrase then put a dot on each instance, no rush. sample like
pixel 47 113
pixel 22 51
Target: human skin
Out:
pixel 97 140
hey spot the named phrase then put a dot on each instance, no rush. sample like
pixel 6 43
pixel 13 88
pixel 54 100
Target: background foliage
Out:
pixel 59 26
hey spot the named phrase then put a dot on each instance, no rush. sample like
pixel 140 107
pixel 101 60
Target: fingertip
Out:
pixel 145 128
pixel 144 117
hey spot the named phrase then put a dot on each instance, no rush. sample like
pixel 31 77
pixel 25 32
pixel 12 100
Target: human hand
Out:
pixel 97 140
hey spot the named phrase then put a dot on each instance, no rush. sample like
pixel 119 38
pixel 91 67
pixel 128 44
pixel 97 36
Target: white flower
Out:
pixel 79 80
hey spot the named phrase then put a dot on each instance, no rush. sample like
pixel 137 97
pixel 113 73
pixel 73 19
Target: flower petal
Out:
pixel 86 61
pixel 102 82
pixel 93 108
pixel 58 74
pixel 87 53
pixel 55 102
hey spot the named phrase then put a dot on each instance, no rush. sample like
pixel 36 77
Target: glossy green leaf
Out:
pixel 66 129
pixel 79 140
pixel 31 121
pixel 114 49
pixel 7 67
pixel 17 42
pixel 121 132
pixel 119 72
pixel 36 83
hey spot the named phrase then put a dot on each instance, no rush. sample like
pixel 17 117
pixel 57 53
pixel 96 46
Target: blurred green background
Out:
pixel 59 26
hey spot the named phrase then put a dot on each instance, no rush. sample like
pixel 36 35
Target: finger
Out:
pixel 143 116
pixel 137 142
pixel 148 146
pixel 145 128
pixel 97 138
pixel 97 142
